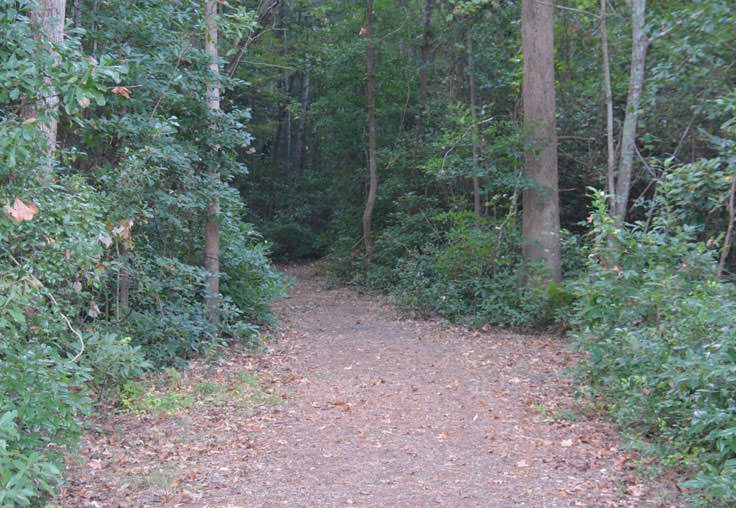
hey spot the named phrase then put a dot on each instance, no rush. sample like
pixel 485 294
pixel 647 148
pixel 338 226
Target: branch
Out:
pixel 676 24
pixel 565 8
pixel 444 157
pixel 264 64
pixel 63 316
pixel 265 11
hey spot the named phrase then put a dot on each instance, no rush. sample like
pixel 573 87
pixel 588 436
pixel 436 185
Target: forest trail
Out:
pixel 376 411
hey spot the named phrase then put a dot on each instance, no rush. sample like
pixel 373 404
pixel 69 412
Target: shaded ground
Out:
pixel 355 407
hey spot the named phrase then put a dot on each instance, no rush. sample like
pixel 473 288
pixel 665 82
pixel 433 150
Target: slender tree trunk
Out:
pixel 540 201
pixel 49 18
pixel 639 45
pixel 423 74
pixel 729 233
pixel 611 168
pixel 123 284
pixel 77 13
pixel 371 107
pixel 474 120
pixel 212 229
pixel 302 130
pixel 287 133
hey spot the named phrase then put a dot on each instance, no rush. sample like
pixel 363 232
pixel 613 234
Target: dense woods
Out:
pixel 539 165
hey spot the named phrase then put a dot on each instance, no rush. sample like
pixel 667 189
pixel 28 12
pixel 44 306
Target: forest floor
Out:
pixel 352 405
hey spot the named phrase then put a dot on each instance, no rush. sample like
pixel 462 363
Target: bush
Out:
pixel 454 265
pixel 660 332
pixel 44 400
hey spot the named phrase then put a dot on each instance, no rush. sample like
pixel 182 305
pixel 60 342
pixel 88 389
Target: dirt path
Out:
pixel 377 412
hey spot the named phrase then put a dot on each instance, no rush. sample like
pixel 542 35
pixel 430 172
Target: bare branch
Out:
pixel 565 8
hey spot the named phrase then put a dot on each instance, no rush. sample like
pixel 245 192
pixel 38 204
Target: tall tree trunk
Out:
pixel 287 133
pixel 301 137
pixel 77 13
pixel 212 229
pixel 423 74
pixel 49 18
pixel 540 201
pixel 370 94
pixel 474 120
pixel 611 167
pixel 729 233
pixel 639 44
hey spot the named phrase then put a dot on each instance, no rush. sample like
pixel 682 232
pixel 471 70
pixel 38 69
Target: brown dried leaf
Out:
pixel 122 91
pixel 21 210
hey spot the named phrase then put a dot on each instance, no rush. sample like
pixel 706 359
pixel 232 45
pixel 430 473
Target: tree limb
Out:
pixel 265 11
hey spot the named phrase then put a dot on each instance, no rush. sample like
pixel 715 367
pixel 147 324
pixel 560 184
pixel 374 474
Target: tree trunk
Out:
pixel 371 107
pixel 77 13
pixel 540 201
pixel 49 18
pixel 639 45
pixel 287 134
pixel 474 120
pixel 212 229
pixel 301 138
pixel 729 233
pixel 423 74
pixel 611 168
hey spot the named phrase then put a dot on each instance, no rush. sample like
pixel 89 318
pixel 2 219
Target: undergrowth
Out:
pixel 659 329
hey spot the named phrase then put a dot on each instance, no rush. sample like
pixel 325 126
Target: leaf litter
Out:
pixel 350 405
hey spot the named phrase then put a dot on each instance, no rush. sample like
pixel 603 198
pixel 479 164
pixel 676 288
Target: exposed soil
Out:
pixel 358 407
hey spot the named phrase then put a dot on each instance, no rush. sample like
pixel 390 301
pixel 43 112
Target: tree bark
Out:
pixel 611 167
pixel 540 201
pixel 49 18
pixel 301 137
pixel 371 108
pixel 474 120
pixel 212 229
pixel 423 74
pixel 287 91
pixel 729 233
pixel 639 44
pixel 77 13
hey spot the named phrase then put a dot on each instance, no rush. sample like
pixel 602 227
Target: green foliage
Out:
pixel 455 265
pixel 112 360
pixel 44 399
pixel 100 274
pixel 659 331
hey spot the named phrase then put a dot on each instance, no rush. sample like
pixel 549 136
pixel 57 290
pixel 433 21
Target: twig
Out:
pixel 264 64
pixel 63 316
pixel 168 84
pixel 444 157
pixel 577 138
pixel 573 9
pixel 684 135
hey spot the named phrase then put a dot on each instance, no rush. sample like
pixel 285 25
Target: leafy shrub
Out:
pixel 660 331
pixel 44 399
pixel 112 360
pixel 454 265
